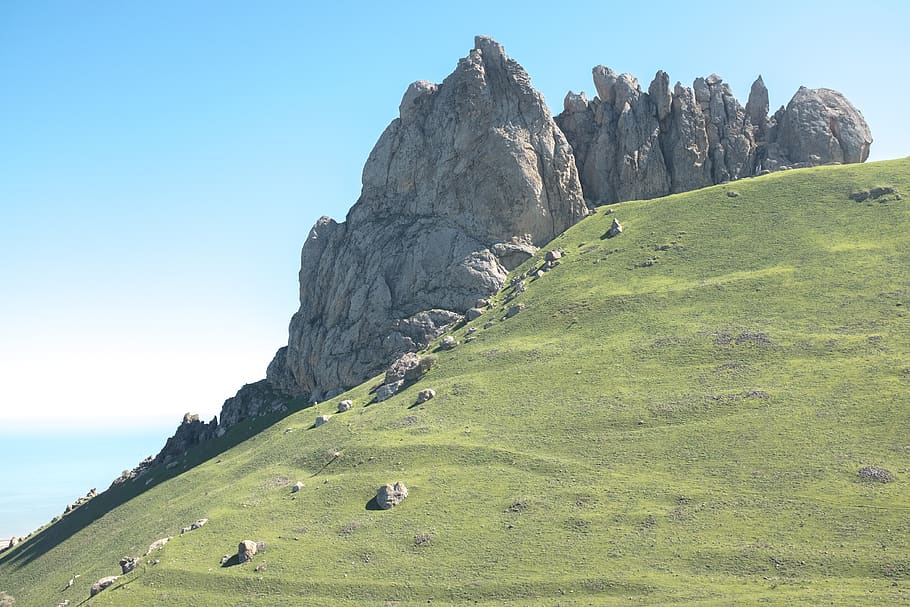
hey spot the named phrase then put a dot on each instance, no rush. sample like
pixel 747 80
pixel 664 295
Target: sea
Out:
pixel 40 473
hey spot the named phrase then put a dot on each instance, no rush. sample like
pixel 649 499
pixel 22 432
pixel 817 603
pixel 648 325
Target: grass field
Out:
pixel 677 417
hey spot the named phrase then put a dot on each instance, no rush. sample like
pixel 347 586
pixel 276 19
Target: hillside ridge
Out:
pixel 704 409
pixel 475 174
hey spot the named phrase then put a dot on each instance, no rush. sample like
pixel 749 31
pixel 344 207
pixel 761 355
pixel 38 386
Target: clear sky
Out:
pixel 162 162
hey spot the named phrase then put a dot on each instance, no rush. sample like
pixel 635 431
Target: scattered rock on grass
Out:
pixel 391 495
pixel 514 310
pixel 158 544
pixel 196 525
pixel 345 405
pixel 386 391
pixel 473 314
pixel 425 395
pixel 615 229
pixel 322 419
pixel 246 550
pixel 875 474
pixel 102 584
pixel 553 255
pixel 297 487
pixel 448 343
pixel 128 563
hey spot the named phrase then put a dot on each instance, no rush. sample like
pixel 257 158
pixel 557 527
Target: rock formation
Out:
pixel 630 144
pixel 471 175
pixel 389 496
pixel 474 175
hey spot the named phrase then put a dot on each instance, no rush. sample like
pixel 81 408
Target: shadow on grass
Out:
pixel 55 534
pixel 373 504
pixel 234 560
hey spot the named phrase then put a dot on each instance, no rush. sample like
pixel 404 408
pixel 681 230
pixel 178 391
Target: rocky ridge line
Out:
pixel 630 144
pixel 475 174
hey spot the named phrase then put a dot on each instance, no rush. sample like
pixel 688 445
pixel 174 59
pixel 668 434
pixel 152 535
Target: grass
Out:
pixel 677 417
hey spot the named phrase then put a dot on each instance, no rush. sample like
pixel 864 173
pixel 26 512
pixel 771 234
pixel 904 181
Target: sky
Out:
pixel 161 163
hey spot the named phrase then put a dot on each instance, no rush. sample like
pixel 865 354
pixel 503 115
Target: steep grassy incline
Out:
pixel 677 417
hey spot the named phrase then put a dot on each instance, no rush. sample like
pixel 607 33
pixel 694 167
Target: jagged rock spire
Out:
pixel 630 144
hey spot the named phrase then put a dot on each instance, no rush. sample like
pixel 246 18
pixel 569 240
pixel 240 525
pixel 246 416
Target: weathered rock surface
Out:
pixel 197 524
pixel 408 367
pixel 615 229
pixel 632 144
pixel 470 178
pixel 128 563
pixel 425 395
pixel 321 420
pixel 297 487
pixel 158 544
pixel 345 405
pixel 387 391
pixel 391 495
pixel 103 583
pixel 190 433
pixel 252 400
pixel 820 126
pixel 246 550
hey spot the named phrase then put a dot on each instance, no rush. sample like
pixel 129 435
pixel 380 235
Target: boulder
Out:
pixel 296 487
pixel 473 314
pixel 470 177
pixel 824 124
pixel 128 563
pixel 386 391
pixel 103 583
pixel 197 524
pixel 425 395
pixel 553 255
pixel 246 550
pixel 322 419
pixel 514 310
pixel 391 495
pixel 408 367
pixel 345 405
pixel 158 544
pixel 615 229
pixel 448 343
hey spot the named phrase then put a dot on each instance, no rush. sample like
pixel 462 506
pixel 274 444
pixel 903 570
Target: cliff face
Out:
pixel 470 177
pixel 630 144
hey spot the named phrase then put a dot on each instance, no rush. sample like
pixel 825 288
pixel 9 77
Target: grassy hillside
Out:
pixel 677 417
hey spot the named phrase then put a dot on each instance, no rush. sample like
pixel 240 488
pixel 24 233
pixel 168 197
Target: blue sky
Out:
pixel 162 162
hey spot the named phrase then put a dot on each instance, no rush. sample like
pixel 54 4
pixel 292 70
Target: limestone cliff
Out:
pixel 631 144
pixel 472 173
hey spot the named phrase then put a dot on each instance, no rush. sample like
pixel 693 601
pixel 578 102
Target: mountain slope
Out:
pixel 677 417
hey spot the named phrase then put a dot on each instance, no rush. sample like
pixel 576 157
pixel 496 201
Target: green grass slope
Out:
pixel 677 417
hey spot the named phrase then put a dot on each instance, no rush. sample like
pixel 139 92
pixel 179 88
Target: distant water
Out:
pixel 41 473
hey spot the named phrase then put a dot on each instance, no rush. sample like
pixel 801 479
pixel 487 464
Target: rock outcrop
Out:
pixel 246 550
pixel 389 496
pixel 470 178
pixel 190 433
pixel 102 584
pixel 630 144
pixel 474 176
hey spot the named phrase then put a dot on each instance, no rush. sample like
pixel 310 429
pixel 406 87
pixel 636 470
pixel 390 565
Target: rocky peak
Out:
pixel 469 168
pixel 629 144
